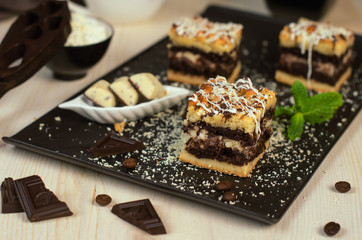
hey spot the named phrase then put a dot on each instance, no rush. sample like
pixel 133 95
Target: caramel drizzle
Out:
pixel 311 33
pixel 217 96
pixel 211 31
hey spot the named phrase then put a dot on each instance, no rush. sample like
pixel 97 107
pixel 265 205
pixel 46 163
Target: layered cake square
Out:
pixel 319 55
pixel 228 125
pixel 200 49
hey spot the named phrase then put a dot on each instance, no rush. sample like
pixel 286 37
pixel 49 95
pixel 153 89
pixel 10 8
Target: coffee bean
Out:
pixel 229 196
pixel 331 228
pixel 342 186
pixel 129 163
pixel 103 199
pixel 224 185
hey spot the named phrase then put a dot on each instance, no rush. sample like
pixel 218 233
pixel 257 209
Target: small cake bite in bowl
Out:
pixel 124 91
pixel 100 95
pixel 148 86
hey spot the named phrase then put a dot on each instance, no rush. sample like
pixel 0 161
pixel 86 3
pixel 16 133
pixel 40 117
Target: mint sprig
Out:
pixel 316 109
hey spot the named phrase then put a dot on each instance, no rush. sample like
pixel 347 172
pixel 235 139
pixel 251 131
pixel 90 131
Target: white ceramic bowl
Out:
pixel 124 11
pixel 81 106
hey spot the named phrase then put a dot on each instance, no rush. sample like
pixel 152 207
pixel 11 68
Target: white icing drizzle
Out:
pixel 212 31
pixel 311 33
pixel 217 96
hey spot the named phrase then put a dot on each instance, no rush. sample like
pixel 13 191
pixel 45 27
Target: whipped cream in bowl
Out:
pixel 87 30
pixel 85 46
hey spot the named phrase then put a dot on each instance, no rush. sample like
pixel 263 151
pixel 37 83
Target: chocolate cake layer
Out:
pixel 206 64
pixel 215 57
pixel 301 69
pixel 245 139
pixel 214 148
pixel 316 56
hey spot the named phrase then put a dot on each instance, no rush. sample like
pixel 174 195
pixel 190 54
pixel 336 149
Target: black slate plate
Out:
pixel 275 182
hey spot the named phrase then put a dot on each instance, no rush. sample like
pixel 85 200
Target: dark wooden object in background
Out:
pixel 34 37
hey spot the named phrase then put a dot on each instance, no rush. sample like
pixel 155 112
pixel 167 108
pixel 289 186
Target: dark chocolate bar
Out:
pixel 114 143
pixel 9 199
pixel 141 214
pixel 39 202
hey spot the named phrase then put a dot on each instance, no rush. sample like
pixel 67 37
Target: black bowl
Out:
pixel 73 62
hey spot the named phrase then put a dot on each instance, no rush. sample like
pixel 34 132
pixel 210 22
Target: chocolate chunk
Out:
pixel 229 196
pixel 10 201
pixel 114 143
pixel 224 185
pixel 331 228
pixel 103 199
pixel 129 163
pixel 39 202
pixel 141 214
pixel 342 186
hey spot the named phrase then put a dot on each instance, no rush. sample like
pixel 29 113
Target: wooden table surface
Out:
pixel 317 204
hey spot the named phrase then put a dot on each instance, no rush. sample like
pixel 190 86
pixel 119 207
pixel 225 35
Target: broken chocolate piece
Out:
pixel 9 199
pixel 114 143
pixel 39 202
pixel 141 214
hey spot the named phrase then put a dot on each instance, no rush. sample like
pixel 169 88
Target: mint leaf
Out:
pixel 321 107
pixel 296 126
pixel 316 109
pixel 283 110
pixel 300 95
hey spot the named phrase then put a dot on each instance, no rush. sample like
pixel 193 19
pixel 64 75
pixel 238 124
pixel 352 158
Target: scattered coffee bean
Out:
pixel 129 163
pixel 224 185
pixel 331 228
pixel 229 196
pixel 103 199
pixel 342 186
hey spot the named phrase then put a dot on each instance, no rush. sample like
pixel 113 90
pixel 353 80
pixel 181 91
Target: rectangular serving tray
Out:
pixel 278 177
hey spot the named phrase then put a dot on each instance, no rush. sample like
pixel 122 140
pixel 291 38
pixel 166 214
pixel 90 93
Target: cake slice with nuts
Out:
pixel 317 54
pixel 228 126
pixel 200 49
